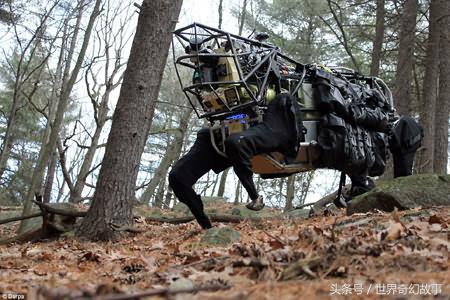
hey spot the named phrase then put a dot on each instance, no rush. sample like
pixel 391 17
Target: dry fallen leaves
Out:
pixel 318 251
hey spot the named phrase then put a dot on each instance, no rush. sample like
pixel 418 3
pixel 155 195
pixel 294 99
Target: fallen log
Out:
pixel 60 211
pixel 47 209
pixel 20 218
pixel 213 217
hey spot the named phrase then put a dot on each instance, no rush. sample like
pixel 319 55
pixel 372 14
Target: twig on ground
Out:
pixel 302 266
pixel 164 291
pixel 126 228
pixel 275 238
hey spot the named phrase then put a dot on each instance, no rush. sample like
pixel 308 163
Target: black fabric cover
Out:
pixel 280 131
pixel 351 133
pixel 406 136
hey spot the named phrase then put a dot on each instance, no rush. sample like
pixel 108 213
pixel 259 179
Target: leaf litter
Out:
pixel 274 258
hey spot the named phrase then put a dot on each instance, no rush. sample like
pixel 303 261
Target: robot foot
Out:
pixel 256 204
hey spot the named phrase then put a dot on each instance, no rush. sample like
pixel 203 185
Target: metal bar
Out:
pixel 180 81
pixel 266 76
pixel 213 83
pixel 268 56
pixel 300 82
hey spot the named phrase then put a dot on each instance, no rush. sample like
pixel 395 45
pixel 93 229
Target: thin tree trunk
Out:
pixel 403 76
pixel 75 195
pixel 168 198
pixel 425 161
pixel 90 153
pixel 9 138
pixel 290 193
pixel 214 185
pixel 53 101
pixel 220 10
pixel 242 17
pixel 342 35
pixel 160 193
pixel 51 168
pixel 115 191
pixel 236 194
pixel 160 172
pixel 172 153
pixel 48 148
pixel 378 42
pixel 280 190
pixel 443 100
pixel 207 185
pixel 223 180
pixel 306 186
pixel 21 76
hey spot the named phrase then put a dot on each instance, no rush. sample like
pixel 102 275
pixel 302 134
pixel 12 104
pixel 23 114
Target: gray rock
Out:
pixel 424 190
pixel 223 236
pixel 182 283
pixel 298 213
pixel 241 210
pixel 209 203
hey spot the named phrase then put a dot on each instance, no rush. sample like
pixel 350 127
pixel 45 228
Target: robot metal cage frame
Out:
pixel 271 62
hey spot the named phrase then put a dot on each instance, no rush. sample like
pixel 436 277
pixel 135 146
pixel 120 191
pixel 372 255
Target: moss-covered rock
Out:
pixel 404 193
pixel 146 211
pixel 298 213
pixel 222 236
pixel 241 210
pixel 181 208
pixel 209 203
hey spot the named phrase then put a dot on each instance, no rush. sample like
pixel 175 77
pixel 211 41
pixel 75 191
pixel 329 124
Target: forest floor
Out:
pixel 400 254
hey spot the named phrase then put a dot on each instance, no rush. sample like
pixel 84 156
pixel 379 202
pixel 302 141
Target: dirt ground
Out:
pixel 400 255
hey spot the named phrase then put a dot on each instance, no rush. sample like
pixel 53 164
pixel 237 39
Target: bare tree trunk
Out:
pixel 290 193
pixel 341 35
pixel 443 100
pixel 22 75
pixel 168 198
pixel 51 168
pixel 214 185
pixel 242 17
pixel 115 191
pixel 160 193
pixel 223 180
pixel 172 153
pixel 110 83
pixel 425 161
pixel 280 190
pixel 101 118
pixel 306 185
pixel 403 76
pixel 378 42
pixel 53 102
pixel 220 10
pixel 75 194
pixel 236 193
pixel 207 184
pixel 8 139
pixel 48 148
